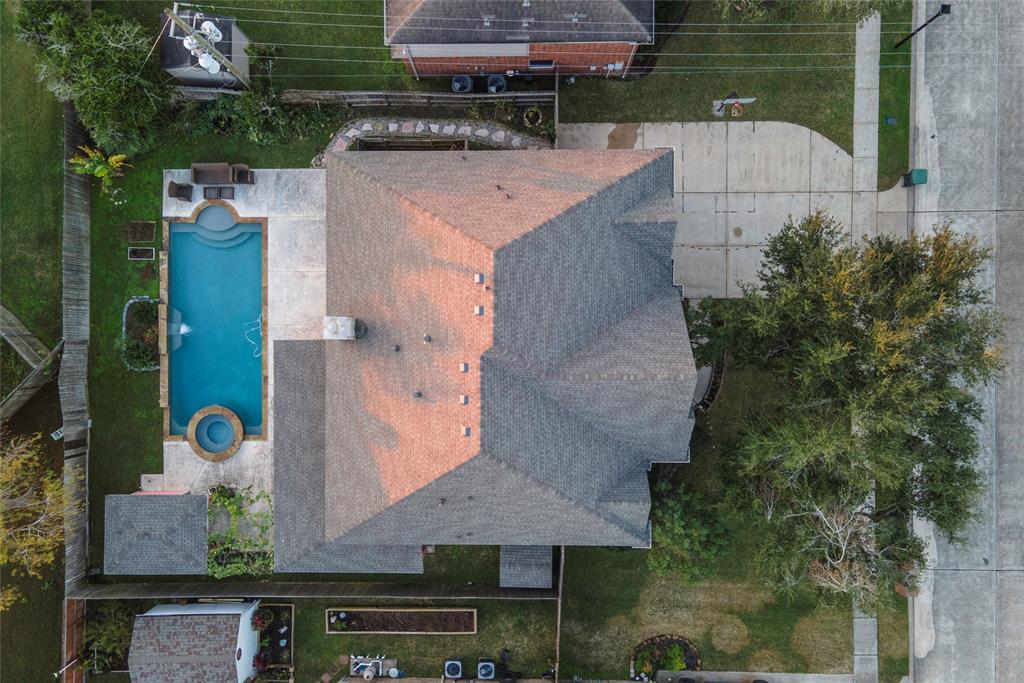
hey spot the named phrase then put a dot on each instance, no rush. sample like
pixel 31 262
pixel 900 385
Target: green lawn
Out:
pixel 612 602
pixel 527 628
pixel 31 136
pixel 894 98
pixel 30 632
pixel 13 369
pixel 683 87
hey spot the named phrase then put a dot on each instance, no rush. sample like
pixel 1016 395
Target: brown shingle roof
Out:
pixel 485 433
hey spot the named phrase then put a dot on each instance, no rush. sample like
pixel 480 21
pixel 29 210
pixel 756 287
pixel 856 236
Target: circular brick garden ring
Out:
pixel 215 433
pixel 653 654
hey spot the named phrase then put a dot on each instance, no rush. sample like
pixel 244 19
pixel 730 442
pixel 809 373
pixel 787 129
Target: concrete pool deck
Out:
pixel 293 202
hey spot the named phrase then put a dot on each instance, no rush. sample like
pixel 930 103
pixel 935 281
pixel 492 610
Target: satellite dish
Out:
pixel 209 63
pixel 210 30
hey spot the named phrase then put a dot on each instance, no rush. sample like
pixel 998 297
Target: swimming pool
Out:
pixel 215 319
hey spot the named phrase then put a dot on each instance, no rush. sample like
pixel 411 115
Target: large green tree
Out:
pixel 879 347
pixel 105 64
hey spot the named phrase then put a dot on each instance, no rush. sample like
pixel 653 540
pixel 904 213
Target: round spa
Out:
pixel 214 433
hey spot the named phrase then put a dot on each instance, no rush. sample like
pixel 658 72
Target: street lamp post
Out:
pixel 943 9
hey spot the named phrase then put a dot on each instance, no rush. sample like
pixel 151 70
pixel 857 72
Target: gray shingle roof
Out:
pixel 154 534
pixel 184 648
pixel 525 566
pixel 573 376
pixel 547 21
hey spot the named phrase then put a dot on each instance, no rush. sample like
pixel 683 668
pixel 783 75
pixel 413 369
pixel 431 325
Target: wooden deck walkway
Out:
pixel 24 342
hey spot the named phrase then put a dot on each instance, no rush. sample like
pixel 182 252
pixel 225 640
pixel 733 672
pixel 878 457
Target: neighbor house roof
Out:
pixel 421 22
pixel 154 534
pixel 184 648
pixel 526 358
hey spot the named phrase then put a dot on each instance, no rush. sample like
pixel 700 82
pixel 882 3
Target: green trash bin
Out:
pixel 916 176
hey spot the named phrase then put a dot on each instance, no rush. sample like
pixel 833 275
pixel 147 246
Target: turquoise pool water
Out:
pixel 214 331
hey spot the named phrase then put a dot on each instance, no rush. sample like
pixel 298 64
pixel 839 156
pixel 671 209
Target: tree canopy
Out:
pixel 32 507
pixel 105 64
pixel 880 347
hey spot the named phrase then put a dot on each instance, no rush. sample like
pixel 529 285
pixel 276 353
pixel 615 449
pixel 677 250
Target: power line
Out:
pixel 581 32
pixel 667 70
pixel 537 21
pixel 559 53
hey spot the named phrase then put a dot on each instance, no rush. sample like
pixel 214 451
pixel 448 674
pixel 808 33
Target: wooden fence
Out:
pixel 40 375
pixel 303 589
pixel 355 98
pixel 376 98
pixel 74 366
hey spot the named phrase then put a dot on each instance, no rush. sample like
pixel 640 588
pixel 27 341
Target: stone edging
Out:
pixel 485 132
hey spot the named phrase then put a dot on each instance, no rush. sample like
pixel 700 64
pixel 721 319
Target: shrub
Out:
pixel 108 634
pixel 687 536
pixel 675 658
pixel 137 354
pixel 99 165
pixel 235 552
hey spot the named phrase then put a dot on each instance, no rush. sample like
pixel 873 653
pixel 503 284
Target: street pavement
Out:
pixel 968 621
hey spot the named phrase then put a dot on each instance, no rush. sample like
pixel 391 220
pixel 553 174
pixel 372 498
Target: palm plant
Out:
pixel 97 164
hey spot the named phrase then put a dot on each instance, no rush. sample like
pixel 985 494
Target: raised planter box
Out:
pixel 439 621
pixel 278 659
pixel 141 253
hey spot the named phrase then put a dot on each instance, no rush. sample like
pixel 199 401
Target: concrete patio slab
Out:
pixel 743 264
pixel 296 243
pixel 250 466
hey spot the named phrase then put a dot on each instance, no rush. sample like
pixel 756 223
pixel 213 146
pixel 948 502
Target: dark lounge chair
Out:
pixel 242 175
pixel 211 174
pixel 179 191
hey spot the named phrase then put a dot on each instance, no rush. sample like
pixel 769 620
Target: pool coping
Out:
pixel 164 400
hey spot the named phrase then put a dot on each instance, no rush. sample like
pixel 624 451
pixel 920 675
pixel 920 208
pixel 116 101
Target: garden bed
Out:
pixel 663 653
pixel 139 333
pixel 412 620
pixel 276 626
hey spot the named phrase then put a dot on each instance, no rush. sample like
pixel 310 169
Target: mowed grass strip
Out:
pixel 894 97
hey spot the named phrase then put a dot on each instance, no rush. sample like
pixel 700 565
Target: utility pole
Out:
pixel 208 46
pixel 943 9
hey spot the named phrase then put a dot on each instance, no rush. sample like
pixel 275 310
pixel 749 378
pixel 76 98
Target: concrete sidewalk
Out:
pixel 968 622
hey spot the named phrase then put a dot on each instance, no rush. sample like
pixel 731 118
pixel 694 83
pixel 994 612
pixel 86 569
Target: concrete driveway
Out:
pixel 736 183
